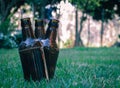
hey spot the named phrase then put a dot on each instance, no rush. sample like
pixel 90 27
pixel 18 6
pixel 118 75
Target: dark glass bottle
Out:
pixel 40 35
pixel 39 29
pixel 52 50
pixel 30 53
pixel 24 45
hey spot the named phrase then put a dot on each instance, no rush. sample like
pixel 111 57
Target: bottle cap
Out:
pixel 54 23
pixel 39 22
pixel 25 22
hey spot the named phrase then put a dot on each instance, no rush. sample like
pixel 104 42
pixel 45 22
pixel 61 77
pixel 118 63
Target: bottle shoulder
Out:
pixel 46 42
pixel 27 43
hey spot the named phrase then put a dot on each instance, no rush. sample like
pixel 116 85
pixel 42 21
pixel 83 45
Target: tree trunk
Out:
pixel 33 9
pixel 81 27
pixel 76 29
pixel 88 31
pixel 78 41
pixel 102 27
pixel 42 12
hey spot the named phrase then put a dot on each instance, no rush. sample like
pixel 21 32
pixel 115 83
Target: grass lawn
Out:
pixel 76 68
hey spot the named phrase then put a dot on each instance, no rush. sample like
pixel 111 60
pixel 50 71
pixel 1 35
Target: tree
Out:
pixel 99 10
pixel 106 11
pixel 86 6
pixel 7 5
pixel 39 6
pixel 6 13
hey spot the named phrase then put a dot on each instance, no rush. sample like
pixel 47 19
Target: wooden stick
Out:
pixel 45 65
pixel 29 49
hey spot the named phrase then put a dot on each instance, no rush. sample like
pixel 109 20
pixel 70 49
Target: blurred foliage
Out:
pixel 119 36
pixel 81 4
pixel 99 9
pixel 17 36
pixel 10 40
pixel 69 43
pixel 6 6
pixel 110 8
pixel 6 26
pixel 7 9
pixel 95 7
pixel 39 6
pixel 7 41
pixel 43 2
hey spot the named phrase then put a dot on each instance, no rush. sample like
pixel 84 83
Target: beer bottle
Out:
pixel 52 50
pixel 30 53
pixel 40 34
pixel 39 29
pixel 23 45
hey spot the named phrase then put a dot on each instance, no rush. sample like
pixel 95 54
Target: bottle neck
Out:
pixel 40 32
pixel 31 31
pixel 52 26
pixel 27 32
pixel 53 34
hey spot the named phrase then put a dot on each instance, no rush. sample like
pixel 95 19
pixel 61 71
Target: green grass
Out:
pixel 76 68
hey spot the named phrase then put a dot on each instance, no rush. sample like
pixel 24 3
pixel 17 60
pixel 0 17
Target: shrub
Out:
pixel 7 42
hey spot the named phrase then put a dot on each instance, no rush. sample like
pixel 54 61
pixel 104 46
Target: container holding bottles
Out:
pixel 38 51
pixel 31 54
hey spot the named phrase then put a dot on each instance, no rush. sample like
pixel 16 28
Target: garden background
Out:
pixel 88 38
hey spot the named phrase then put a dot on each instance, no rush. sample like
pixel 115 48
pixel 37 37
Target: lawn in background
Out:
pixel 76 68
